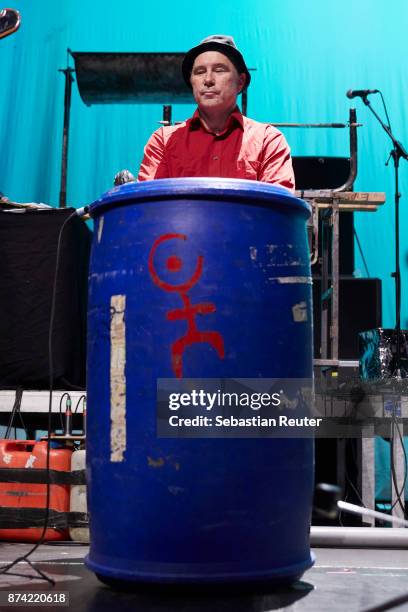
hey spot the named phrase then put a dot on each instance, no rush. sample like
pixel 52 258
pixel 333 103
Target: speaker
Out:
pixel 359 310
pixel 346 246
pixel 314 172
pixel 328 173
pixel 28 248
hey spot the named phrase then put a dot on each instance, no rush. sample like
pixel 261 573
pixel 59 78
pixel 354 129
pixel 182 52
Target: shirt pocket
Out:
pixel 188 169
pixel 248 169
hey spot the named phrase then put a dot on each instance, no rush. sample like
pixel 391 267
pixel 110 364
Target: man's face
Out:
pixel 215 81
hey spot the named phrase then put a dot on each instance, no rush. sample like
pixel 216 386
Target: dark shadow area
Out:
pixel 87 593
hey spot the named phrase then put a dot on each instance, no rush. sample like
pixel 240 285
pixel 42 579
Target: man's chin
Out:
pixel 210 103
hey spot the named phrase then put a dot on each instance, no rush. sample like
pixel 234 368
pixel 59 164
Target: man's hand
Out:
pixel 122 177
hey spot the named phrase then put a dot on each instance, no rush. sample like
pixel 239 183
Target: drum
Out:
pixel 195 278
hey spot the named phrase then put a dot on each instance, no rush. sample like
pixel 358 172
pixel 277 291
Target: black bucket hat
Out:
pixel 221 43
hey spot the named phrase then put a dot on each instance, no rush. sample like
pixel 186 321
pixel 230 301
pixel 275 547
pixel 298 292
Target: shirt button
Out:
pixel 215 158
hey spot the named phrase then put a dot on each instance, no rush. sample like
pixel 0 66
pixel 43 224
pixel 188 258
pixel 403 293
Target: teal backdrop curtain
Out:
pixel 306 55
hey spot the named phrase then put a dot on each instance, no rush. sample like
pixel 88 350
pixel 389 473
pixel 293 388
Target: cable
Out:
pixel 395 425
pixel 344 392
pixel 350 445
pixel 22 422
pixel 385 109
pixel 60 407
pixel 4 570
pixel 399 501
pixel 349 483
pixel 361 253
pixel 16 407
pixel 357 494
pixel 70 543
pixel 388 605
pixel 81 399
pixel 340 511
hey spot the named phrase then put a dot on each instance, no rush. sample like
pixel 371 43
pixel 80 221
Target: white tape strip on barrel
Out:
pixel 117 378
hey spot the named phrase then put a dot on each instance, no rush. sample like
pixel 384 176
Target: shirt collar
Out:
pixel 235 117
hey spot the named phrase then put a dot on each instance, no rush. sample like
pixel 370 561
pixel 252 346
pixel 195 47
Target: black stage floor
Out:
pixel 341 579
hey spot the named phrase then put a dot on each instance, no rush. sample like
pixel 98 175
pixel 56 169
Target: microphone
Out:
pixel 361 93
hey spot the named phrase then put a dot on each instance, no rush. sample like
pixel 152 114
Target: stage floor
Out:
pixel 341 579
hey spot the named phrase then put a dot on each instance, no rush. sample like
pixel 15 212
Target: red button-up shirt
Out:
pixel 245 149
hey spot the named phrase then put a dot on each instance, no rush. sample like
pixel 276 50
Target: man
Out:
pixel 218 140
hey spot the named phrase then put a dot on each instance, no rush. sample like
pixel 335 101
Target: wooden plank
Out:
pixel 347 207
pixel 343 197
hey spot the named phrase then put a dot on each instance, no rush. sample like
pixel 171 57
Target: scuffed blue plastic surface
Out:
pixel 220 188
pixel 198 510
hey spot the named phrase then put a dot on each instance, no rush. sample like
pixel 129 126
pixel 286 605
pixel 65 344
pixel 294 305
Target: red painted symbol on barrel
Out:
pixel 189 310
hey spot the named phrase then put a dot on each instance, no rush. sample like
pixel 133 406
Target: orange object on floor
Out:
pixel 23 491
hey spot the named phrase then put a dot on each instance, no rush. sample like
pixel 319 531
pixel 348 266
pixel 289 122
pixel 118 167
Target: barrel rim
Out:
pixel 253 192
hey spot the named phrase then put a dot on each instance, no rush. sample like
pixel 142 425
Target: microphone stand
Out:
pixel 397 152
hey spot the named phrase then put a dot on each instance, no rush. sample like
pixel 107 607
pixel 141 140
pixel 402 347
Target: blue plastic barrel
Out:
pixel 195 510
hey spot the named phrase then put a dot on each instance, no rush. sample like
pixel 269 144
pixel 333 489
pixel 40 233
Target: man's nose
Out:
pixel 208 78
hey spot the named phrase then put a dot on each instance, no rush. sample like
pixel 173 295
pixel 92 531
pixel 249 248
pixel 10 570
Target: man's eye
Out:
pixel 199 71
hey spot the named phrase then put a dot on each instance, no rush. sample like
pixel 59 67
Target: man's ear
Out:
pixel 241 81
